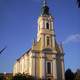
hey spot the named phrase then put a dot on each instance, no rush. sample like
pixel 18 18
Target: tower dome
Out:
pixel 45 8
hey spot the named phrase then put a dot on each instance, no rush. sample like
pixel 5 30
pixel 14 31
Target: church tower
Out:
pixel 45 59
pixel 46 28
pixel 52 53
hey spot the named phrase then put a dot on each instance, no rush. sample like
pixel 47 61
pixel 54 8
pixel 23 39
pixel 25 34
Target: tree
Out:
pixel 77 74
pixel 23 77
pixel 69 75
pixel 1 77
pixel 19 77
pixel 78 2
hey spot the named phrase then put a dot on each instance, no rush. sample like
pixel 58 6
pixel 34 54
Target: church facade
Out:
pixel 45 59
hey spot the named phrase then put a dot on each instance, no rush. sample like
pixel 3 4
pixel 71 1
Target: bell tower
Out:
pixel 52 55
pixel 46 32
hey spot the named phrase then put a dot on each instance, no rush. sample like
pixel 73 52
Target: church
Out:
pixel 45 59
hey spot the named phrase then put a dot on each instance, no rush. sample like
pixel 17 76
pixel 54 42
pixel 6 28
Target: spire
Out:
pixel 44 3
pixel 45 8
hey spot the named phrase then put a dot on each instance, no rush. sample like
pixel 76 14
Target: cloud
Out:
pixel 72 38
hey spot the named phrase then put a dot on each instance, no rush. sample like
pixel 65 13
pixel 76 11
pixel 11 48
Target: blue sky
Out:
pixel 18 28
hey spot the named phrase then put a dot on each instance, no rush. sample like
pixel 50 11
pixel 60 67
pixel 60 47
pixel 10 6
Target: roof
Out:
pixel 24 54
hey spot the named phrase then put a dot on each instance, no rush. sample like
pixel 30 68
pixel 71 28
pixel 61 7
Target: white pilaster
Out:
pixel 43 63
pixel 25 64
pixel 17 66
pixel 54 67
pixel 63 72
pixel 22 65
pixel 33 64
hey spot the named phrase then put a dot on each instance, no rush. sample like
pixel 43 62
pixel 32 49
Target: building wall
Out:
pixel 34 62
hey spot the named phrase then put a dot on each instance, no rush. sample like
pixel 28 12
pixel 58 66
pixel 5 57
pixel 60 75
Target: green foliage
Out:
pixel 19 77
pixel 69 75
pixel 23 77
pixel 77 75
pixel 1 77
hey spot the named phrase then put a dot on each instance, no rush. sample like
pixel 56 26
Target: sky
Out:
pixel 18 28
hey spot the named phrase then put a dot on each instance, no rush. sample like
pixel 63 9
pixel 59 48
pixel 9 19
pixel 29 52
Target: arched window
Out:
pixel 47 25
pixel 47 41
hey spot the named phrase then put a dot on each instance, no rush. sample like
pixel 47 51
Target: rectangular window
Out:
pixel 48 67
pixel 47 25
pixel 47 41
